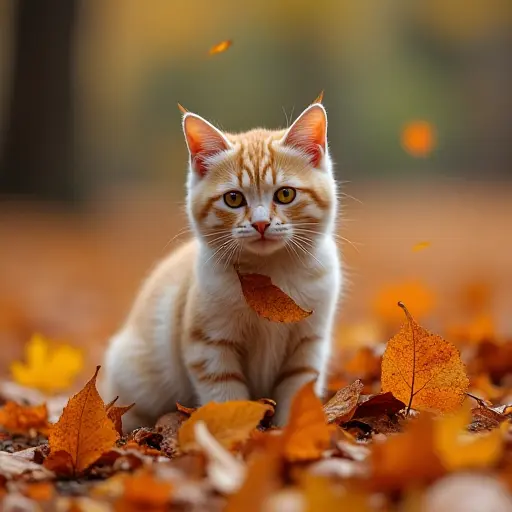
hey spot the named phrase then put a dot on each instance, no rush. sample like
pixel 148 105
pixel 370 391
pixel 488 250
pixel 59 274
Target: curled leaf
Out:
pixel 269 301
pixel 423 370
pixel 341 407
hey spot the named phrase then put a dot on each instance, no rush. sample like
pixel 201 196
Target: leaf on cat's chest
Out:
pixel 269 301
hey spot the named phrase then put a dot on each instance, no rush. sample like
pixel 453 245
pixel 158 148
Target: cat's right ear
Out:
pixel 203 141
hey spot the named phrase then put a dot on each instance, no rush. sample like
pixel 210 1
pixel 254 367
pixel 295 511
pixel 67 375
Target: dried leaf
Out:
pixel 82 434
pixel 422 369
pixel 115 414
pixel 12 466
pixel 229 422
pixel 142 491
pixel 48 368
pixel 20 419
pixel 378 405
pixel 40 491
pixel 341 407
pixel 221 47
pixel 307 434
pixel 420 246
pixel 269 301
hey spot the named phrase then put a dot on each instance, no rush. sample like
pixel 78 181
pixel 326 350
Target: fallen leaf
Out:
pixel 230 423
pixel 40 491
pixel 423 370
pixel 420 246
pixel 307 434
pixel 221 47
pixel 269 301
pixel 48 368
pixel 20 419
pixel 14 466
pixel 378 405
pixel 458 449
pixel 82 434
pixel 115 414
pixel 341 407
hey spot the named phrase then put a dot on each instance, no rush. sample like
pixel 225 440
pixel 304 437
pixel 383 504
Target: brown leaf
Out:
pixel 378 405
pixel 423 370
pixel 83 432
pixel 269 301
pixel 341 407
pixel 229 422
pixel 19 419
pixel 307 434
pixel 115 413
pixel 221 47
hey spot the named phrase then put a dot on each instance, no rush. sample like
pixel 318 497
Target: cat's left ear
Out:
pixel 308 133
pixel 203 141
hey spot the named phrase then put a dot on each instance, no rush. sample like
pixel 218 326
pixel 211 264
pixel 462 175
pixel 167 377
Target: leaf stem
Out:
pixel 411 322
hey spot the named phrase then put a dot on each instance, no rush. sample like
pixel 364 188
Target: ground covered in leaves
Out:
pixel 417 423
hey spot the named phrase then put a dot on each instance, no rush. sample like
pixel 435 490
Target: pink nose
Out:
pixel 261 226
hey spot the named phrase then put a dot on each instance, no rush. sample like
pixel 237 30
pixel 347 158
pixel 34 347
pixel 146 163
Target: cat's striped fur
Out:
pixel 191 337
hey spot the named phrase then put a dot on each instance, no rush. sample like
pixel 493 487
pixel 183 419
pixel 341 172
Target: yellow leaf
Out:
pixel 221 47
pixel 459 449
pixel 423 370
pixel 20 419
pixel 229 422
pixel 269 301
pixel 48 368
pixel 84 431
pixel 307 434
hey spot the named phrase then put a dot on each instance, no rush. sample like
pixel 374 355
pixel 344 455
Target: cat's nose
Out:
pixel 261 226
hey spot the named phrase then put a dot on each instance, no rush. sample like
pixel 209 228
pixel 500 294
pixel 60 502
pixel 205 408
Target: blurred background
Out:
pixel 92 158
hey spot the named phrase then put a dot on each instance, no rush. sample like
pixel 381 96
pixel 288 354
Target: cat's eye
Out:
pixel 285 195
pixel 234 199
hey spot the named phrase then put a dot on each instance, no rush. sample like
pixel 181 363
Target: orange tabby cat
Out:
pixel 266 201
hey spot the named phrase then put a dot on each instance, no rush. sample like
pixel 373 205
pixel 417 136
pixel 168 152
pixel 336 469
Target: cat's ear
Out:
pixel 203 141
pixel 308 133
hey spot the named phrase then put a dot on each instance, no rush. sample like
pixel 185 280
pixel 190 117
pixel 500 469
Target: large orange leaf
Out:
pixel 84 431
pixel 423 370
pixel 229 422
pixel 269 301
pixel 19 419
pixel 307 434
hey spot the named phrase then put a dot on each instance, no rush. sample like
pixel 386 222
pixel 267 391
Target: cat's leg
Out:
pixel 215 368
pixel 307 362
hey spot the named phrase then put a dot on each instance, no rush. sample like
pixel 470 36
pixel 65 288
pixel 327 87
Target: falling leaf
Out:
pixel 115 414
pixel 418 138
pixel 20 419
pixel 319 98
pixel 143 491
pixel 221 47
pixel 420 246
pixel 458 449
pixel 378 405
pixel 48 368
pixel 422 369
pixel 406 459
pixel 269 301
pixel 82 434
pixel 229 422
pixel 341 407
pixel 307 434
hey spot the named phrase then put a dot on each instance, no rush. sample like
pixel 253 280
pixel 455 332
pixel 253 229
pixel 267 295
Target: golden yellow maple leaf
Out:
pixel 48 368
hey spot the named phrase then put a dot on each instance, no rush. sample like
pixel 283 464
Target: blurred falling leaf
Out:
pixel 48 368
pixel 422 369
pixel 221 47
pixel 229 422
pixel 20 419
pixel 341 407
pixel 307 434
pixel 269 301
pixel 115 414
pixel 420 246
pixel 40 491
pixel 84 431
pixel 143 491
pixel 418 138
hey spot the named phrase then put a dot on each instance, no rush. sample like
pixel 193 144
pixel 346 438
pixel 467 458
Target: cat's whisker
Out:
pixel 217 250
pixel 181 232
pixel 296 240
pixel 289 246
pixel 353 244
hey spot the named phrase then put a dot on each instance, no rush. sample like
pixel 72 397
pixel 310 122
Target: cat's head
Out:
pixel 260 191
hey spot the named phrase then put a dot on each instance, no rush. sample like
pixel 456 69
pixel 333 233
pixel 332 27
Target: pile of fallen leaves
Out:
pixel 412 428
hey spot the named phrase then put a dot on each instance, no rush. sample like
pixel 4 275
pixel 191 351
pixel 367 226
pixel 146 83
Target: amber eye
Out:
pixel 285 195
pixel 234 199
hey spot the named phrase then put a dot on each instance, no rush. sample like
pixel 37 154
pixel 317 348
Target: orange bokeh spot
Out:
pixel 418 138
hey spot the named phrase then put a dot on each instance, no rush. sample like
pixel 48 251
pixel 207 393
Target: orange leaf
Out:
pixel 418 138
pixel 341 407
pixel 307 434
pixel 423 370
pixel 229 422
pixel 83 432
pixel 19 419
pixel 40 491
pixel 115 413
pixel 221 47
pixel 269 301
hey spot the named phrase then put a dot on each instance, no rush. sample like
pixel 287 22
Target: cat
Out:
pixel 266 202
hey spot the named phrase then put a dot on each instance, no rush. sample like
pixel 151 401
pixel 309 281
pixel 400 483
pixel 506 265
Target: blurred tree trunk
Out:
pixel 37 159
